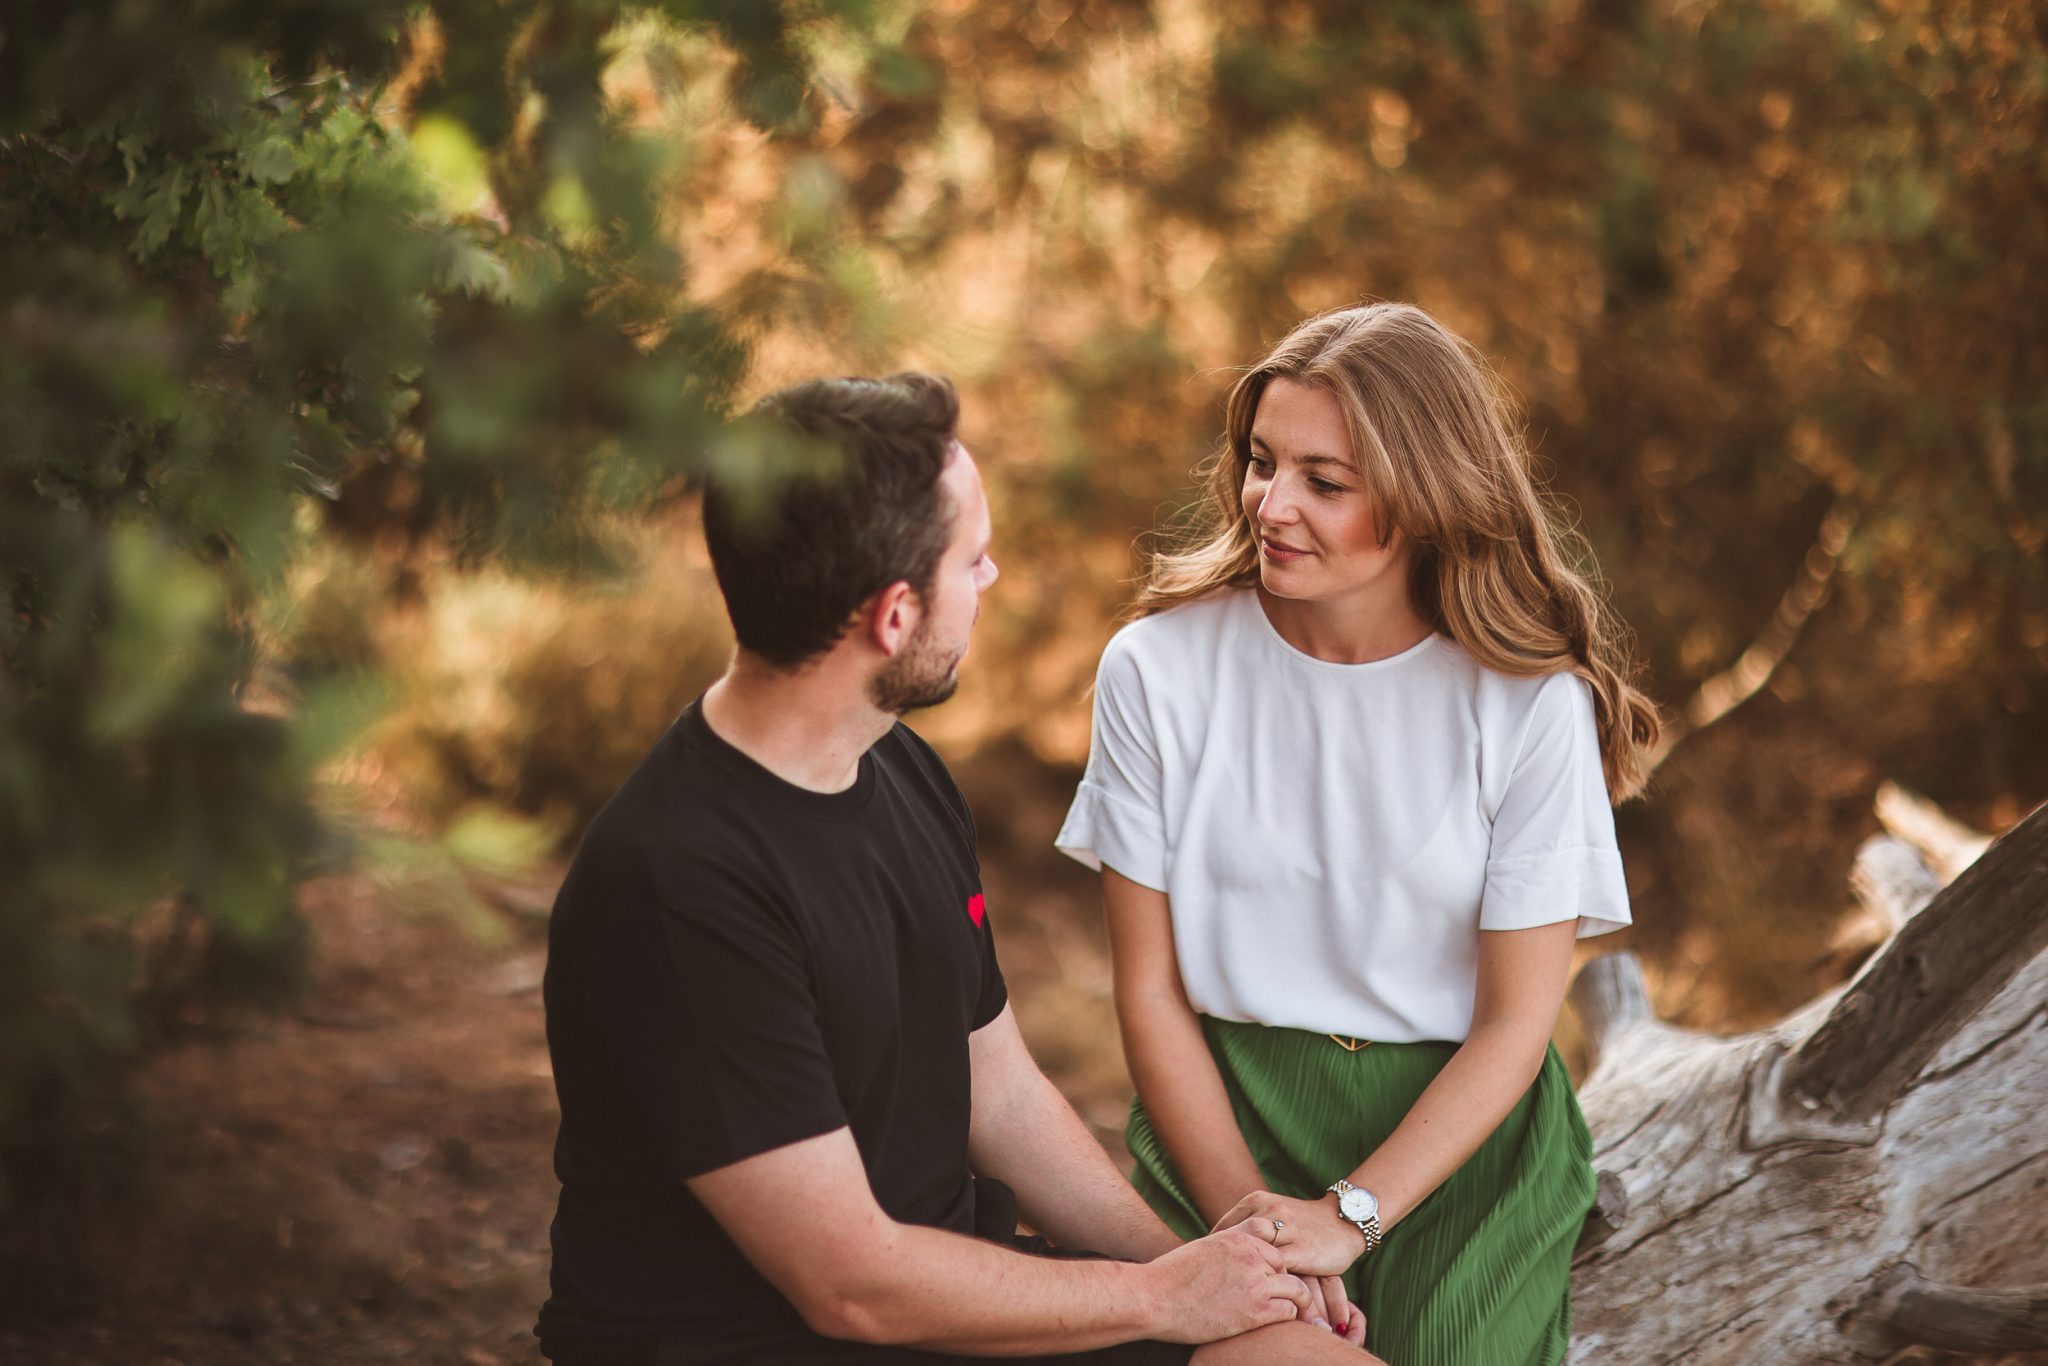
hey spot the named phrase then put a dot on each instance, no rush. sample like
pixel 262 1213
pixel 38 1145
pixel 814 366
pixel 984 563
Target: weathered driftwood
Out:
pixel 1908 1310
pixel 1870 1174
pixel 1947 845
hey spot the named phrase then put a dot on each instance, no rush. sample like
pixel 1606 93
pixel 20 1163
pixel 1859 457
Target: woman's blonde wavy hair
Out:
pixel 1432 430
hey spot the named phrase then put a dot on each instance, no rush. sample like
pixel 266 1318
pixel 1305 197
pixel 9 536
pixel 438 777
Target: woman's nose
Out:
pixel 1275 507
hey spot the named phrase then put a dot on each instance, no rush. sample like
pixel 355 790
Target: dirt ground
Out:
pixel 365 1178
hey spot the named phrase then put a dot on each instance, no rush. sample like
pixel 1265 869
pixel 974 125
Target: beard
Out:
pixel 924 675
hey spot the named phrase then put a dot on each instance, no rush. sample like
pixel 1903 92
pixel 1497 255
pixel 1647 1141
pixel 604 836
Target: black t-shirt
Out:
pixel 736 963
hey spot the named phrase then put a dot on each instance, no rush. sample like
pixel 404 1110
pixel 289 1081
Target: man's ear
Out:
pixel 891 617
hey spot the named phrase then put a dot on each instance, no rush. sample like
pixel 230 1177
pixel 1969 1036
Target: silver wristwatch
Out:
pixel 1361 1207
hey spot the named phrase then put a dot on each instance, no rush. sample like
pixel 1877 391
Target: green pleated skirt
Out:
pixel 1479 1274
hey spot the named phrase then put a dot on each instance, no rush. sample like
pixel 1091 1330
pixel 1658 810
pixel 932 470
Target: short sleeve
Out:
pixel 995 993
pixel 717 1022
pixel 1553 856
pixel 1117 818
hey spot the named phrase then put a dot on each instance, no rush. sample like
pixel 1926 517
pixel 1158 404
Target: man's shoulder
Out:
pixel 918 765
pixel 674 778
pixel 668 828
pixel 904 747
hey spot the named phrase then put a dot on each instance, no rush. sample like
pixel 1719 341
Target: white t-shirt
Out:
pixel 1333 837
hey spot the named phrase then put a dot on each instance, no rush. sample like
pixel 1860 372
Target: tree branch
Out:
pixel 1609 996
pixel 1909 1311
pixel 1932 977
pixel 1892 882
pixel 1947 844
pixel 1739 682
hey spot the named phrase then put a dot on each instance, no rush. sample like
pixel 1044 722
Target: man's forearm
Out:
pixel 945 1292
pixel 1067 1188
pixel 855 1273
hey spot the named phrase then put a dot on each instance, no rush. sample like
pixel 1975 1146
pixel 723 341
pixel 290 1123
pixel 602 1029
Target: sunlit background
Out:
pixel 356 363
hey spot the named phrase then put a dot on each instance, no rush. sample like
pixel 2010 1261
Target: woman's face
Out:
pixel 1318 531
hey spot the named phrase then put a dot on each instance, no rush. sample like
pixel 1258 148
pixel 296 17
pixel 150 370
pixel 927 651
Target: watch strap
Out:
pixel 1369 1225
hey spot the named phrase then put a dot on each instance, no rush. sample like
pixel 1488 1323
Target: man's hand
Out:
pixel 1225 1284
pixel 1314 1239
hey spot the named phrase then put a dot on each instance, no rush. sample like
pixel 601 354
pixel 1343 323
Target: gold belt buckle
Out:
pixel 1350 1045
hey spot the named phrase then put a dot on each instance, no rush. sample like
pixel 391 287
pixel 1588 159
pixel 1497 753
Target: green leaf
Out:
pixel 897 73
pixel 567 205
pixel 159 633
pixel 332 714
pixel 133 147
pixel 270 162
pixel 159 206
pixel 497 842
pixel 453 162
pixel 261 222
pixel 243 288
pixel 213 222
pixel 469 267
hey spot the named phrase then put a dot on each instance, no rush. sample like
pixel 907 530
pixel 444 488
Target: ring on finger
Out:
pixel 1279 1224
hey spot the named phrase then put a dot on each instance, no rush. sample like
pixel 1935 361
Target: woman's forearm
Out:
pixel 1168 1057
pixel 1183 1093
pixel 1066 1186
pixel 1455 1113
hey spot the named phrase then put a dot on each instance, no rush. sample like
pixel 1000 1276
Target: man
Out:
pixel 795 1103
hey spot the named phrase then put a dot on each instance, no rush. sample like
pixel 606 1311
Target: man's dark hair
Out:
pixel 796 555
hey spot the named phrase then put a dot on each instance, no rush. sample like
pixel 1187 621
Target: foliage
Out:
pixel 389 273
pixel 506 695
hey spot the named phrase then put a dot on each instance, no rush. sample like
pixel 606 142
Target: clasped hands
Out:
pixel 1317 1244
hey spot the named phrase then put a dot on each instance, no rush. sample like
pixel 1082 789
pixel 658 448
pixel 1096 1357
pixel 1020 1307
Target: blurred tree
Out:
pixel 393 270
pixel 1761 273
pixel 1767 276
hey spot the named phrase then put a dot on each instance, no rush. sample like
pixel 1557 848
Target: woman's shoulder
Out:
pixel 1170 637
pixel 1556 716
pixel 1515 697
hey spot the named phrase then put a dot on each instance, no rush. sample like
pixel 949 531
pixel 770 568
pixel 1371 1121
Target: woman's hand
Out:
pixel 1313 1238
pixel 1347 1320
pixel 1334 1310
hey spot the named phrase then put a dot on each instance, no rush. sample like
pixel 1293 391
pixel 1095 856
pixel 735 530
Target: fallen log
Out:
pixel 1869 1175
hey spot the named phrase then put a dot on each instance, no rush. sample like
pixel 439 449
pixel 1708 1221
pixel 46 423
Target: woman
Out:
pixel 1350 793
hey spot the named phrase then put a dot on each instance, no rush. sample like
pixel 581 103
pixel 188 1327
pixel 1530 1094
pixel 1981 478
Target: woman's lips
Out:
pixel 1282 554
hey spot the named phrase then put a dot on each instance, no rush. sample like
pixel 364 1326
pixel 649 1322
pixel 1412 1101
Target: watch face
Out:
pixel 1357 1204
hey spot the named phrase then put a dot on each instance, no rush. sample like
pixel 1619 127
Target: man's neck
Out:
pixel 807 726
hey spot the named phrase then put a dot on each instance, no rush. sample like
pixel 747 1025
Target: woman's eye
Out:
pixel 1325 486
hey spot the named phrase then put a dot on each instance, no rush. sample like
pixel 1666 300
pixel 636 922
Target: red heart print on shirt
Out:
pixel 975 909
